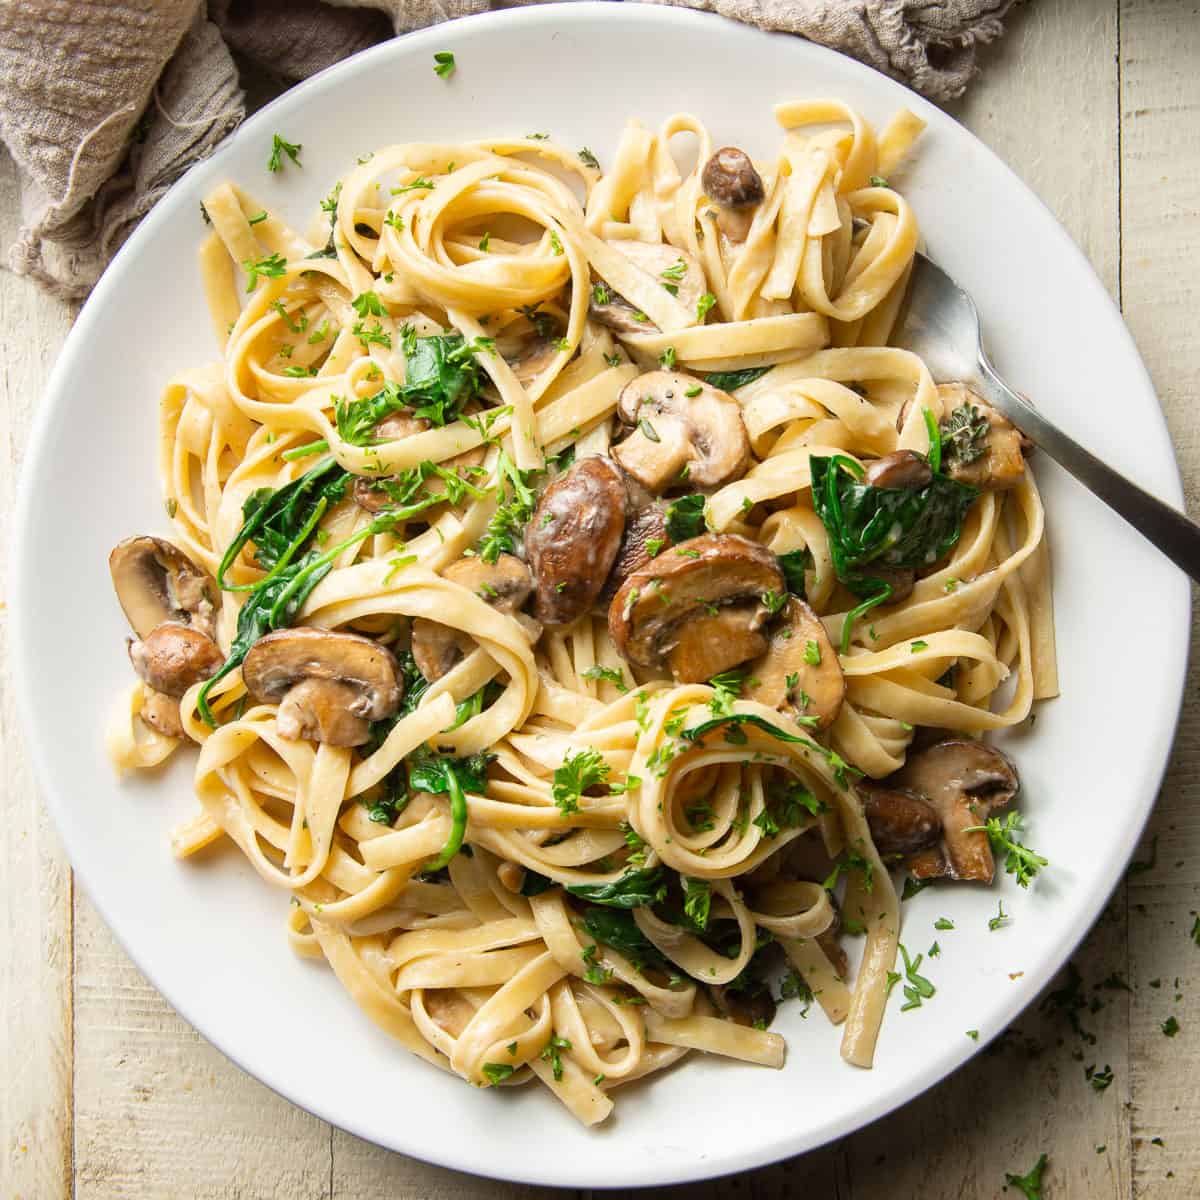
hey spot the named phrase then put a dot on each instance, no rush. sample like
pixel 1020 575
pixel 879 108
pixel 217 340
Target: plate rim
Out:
pixel 952 1057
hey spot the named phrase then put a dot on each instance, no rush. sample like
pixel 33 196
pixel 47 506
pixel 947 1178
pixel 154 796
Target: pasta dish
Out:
pixel 579 609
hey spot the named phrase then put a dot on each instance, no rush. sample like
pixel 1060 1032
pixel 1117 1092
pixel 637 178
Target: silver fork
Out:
pixel 939 322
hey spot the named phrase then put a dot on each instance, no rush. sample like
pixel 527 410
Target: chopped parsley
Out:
pixel 1019 860
pixel 697 901
pixel 1029 1184
pixel 443 64
pixel 609 675
pixel 918 988
pixel 705 305
pixel 943 923
pixel 667 359
pixel 270 267
pixel 589 159
pixel 1170 1027
pixel 279 147
pixel 1001 918
pixel 578 773
pixel 497 1072
pixel 812 653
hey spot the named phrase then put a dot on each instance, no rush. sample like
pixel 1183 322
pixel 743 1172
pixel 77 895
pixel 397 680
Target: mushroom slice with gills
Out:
pixel 900 469
pixel 676 270
pixel 800 671
pixel 371 492
pixel 504 584
pixel 679 422
pixel 901 822
pixel 979 446
pixel 644 538
pixel 696 609
pixel 329 685
pixel 736 188
pixel 173 657
pixel 156 582
pixel 963 781
pixel 573 538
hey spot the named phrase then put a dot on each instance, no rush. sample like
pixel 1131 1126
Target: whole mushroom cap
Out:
pixel 341 682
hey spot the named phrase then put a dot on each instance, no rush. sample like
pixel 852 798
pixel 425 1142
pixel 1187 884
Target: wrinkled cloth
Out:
pixel 105 103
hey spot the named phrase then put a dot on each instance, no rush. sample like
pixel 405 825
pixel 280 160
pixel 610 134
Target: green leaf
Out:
pixel 632 890
pixel 684 518
pixel 443 64
pixel 793 564
pixel 729 381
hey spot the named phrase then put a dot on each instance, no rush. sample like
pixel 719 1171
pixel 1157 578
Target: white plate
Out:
pixel 210 935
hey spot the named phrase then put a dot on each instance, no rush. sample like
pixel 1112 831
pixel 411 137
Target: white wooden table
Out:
pixel 105 1093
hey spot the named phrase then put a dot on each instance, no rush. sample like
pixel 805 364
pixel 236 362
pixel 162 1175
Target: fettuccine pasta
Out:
pixel 565 575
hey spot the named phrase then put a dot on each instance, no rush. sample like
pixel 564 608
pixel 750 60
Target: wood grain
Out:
pixel 1160 183
pixel 110 1096
pixel 35 942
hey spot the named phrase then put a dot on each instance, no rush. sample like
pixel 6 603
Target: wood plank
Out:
pixel 363 1171
pixel 1160 50
pixel 159 1113
pixel 35 946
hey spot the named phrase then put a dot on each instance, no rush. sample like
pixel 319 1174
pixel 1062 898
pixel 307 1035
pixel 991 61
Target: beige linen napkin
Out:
pixel 105 103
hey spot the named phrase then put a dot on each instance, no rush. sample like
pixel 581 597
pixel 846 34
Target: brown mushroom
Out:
pixel 900 469
pixel 156 582
pixel 736 188
pixel 573 538
pixel 681 424
pixel 979 446
pixel 964 781
pixel 329 686
pixel 800 671
pixel 172 657
pixel 666 266
pixel 161 713
pixel 751 1005
pixel 901 822
pixel 644 539
pixel 504 584
pixel 696 609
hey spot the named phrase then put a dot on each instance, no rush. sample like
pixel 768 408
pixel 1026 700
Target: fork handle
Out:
pixel 1165 527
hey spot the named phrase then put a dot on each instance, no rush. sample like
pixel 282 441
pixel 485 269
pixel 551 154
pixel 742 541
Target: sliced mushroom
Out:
pixel 900 469
pixel 156 582
pixel 504 584
pixel 964 781
pixel 736 188
pixel 681 423
pixel 161 713
pixel 979 446
pixel 573 538
pixel 751 1006
pixel 663 264
pixel 172 657
pixel 329 686
pixel 697 608
pixel 644 540
pixel 800 670
pixel 901 822
pixel 534 354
